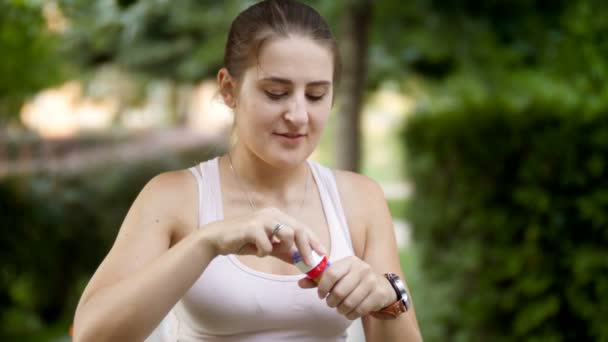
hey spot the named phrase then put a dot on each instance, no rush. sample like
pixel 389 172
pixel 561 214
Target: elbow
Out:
pixel 90 332
pixel 86 328
pixel 100 334
pixel 81 331
pixel 87 333
pixel 97 329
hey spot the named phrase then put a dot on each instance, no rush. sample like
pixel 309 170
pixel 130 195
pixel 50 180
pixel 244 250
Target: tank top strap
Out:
pixel 209 192
pixel 199 185
pixel 328 189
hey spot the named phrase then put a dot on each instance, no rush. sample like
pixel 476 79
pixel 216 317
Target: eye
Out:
pixel 275 96
pixel 315 98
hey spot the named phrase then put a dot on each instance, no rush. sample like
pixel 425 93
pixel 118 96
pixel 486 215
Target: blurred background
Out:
pixel 486 123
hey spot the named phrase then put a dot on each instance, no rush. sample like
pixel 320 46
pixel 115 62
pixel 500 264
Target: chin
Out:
pixel 285 159
pixel 287 163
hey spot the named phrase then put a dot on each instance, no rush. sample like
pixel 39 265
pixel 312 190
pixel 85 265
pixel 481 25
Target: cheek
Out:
pixel 253 117
pixel 318 119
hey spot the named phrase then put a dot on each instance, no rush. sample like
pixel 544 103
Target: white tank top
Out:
pixel 232 302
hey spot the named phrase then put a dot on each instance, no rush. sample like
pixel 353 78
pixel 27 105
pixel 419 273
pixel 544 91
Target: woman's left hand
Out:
pixel 352 286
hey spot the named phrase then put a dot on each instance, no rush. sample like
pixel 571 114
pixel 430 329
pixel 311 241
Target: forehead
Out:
pixel 298 59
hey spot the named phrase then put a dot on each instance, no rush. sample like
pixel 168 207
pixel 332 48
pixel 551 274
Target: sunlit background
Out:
pixel 486 123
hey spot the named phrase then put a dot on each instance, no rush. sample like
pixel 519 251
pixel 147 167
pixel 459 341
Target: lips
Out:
pixel 290 139
pixel 290 135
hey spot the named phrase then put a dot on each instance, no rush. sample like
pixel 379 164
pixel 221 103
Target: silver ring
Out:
pixel 277 227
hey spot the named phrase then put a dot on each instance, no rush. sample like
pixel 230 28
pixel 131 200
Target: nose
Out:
pixel 298 110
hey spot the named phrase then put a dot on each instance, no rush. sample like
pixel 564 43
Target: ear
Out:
pixel 227 87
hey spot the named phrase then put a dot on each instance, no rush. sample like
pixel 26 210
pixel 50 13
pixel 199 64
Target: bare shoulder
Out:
pixel 171 182
pixel 173 196
pixel 163 212
pixel 363 201
pixel 355 182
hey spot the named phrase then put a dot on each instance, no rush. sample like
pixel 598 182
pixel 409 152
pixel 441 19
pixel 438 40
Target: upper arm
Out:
pixel 369 220
pixel 164 207
pixel 372 231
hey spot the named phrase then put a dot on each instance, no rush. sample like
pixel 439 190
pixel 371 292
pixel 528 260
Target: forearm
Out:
pixel 130 309
pixel 403 328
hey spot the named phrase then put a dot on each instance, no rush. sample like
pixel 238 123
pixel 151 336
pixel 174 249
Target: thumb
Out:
pixel 281 252
pixel 306 283
pixel 248 249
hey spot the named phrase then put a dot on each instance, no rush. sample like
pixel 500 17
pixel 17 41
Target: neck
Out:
pixel 267 184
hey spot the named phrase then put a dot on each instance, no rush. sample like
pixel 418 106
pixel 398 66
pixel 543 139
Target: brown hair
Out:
pixel 269 19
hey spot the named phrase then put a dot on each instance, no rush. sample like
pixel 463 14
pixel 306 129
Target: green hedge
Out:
pixel 510 215
pixel 56 228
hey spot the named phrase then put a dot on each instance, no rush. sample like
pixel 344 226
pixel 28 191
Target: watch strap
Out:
pixel 391 311
pixel 401 305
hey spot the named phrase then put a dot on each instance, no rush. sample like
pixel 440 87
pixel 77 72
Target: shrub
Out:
pixel 56 230
pixel 510 215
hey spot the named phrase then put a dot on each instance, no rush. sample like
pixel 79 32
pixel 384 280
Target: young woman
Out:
pixel 209 249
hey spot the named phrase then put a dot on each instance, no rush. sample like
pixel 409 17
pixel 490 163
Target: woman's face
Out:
pixel 284 101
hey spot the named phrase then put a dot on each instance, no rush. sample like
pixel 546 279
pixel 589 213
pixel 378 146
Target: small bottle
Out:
pixel 312 272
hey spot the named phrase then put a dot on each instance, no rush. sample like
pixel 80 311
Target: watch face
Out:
pixel 399 283
pixel 400 286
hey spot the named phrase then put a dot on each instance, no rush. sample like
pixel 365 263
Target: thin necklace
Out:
pixel 253 207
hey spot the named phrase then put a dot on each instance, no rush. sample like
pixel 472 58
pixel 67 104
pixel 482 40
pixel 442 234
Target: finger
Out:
pixel 282 240
pixel 283 243
pixel 286 236
pixel 300 238
pixel 341 290
pixel 301 235
pixel 247 249
pixel 281 247
pixel 306 283
pixel 302 241
pixel 269 218
pixel 365 307
pixel 317 246
pixel 264 244
pixel 353 300
pixel 281 252
pixel 261 241
pixel 331 276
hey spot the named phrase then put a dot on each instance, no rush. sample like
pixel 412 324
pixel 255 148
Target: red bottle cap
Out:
pixel 318 270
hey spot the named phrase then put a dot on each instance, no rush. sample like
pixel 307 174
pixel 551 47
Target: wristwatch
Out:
pixel 402 304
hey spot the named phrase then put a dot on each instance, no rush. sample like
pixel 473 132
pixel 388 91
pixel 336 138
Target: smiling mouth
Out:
pixel 291 136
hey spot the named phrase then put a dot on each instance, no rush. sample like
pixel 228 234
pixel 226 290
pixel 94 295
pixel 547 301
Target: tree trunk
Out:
pixel 354 46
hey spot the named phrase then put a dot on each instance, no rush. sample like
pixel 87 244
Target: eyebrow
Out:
pixel 288 82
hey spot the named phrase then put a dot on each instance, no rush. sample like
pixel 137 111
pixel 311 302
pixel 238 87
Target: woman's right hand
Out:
pixel 252 235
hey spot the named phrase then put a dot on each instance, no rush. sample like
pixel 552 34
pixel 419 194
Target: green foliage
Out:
pixel 436 39
pixel 398 208
pixel 509 213
pixel 57 230
pixel 180 40
pixel 28 60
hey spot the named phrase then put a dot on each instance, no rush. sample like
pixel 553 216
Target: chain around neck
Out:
pixel 240 184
